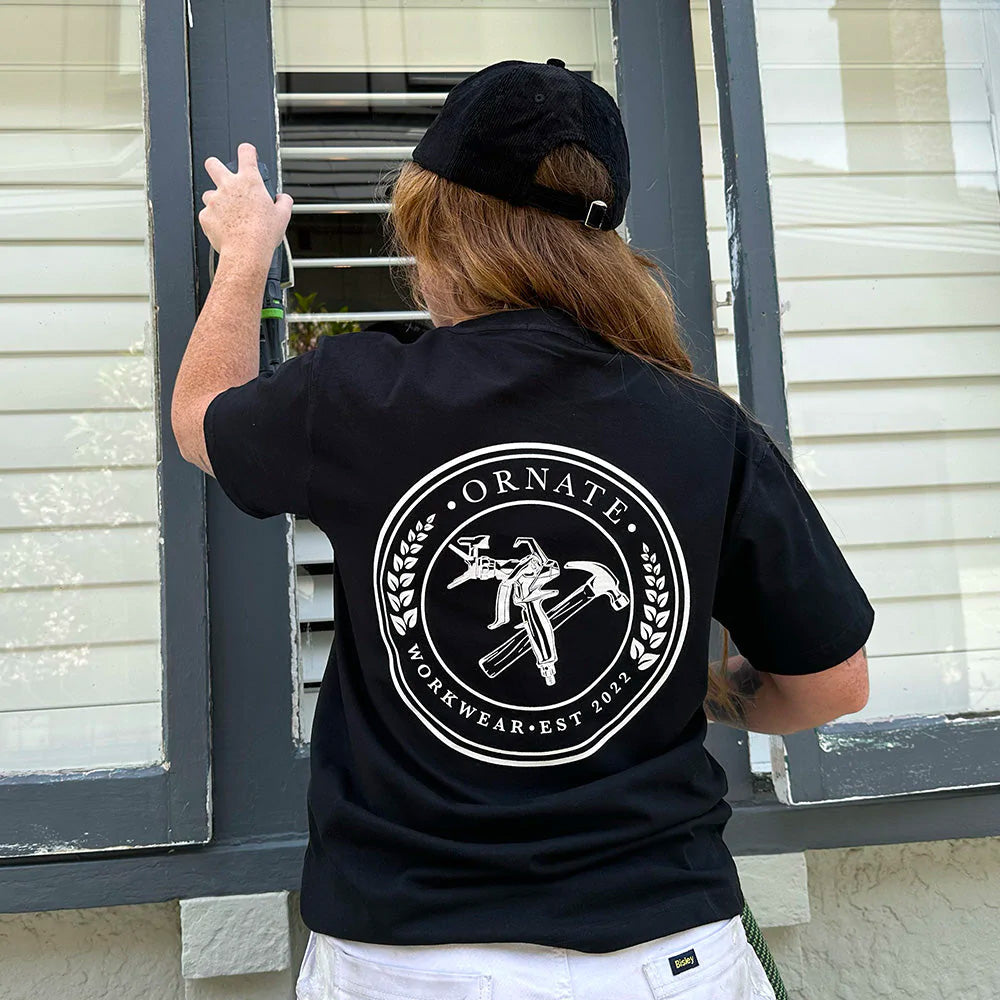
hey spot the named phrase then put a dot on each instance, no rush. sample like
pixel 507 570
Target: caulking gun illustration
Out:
pixel 601 582
pixel 522 583
pixel 536 633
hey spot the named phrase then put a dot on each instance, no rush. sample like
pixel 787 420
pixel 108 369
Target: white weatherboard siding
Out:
pixel 79 537
pixel 883 167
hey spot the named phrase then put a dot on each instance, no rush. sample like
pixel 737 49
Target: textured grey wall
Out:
pixel 920 921
pixel 115 953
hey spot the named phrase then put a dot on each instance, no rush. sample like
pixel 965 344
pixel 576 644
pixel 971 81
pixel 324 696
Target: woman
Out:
pixel 537 510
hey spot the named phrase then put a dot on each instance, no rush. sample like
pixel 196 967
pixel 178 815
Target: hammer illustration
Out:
pixel 602 583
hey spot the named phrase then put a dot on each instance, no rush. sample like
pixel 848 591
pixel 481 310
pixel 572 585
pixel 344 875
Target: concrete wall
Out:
pixel 920 921
pixel 917 921
pixel 114 953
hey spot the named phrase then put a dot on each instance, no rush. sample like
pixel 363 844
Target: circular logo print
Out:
pixel 532 598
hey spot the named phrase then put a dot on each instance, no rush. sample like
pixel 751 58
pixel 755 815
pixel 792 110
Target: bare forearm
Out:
pixel 765 707
pixel 223 350
pixel 244 224
pixel 788 704
pixel 224 347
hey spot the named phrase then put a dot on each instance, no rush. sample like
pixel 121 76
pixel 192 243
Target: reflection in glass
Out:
pixel 887 231
pixel 79 539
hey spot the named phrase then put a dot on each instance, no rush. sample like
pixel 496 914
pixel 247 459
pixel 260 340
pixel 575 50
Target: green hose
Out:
pixel 759 945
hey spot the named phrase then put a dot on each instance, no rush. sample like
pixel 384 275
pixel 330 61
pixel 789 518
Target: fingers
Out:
pixel 217 170
pixel 246 156
pixel 283 211
pixel 246 159
pixel 239 211
pixel 202 219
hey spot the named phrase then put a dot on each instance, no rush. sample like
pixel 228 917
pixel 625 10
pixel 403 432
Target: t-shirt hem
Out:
pixel 828 654
pixel 626 929
pixel 670 918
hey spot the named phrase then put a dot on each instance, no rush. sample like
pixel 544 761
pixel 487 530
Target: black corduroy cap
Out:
pixel 498 124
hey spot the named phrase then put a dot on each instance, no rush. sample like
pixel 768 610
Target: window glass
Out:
pixel 883 170
pixel 80 669
pixel 357 85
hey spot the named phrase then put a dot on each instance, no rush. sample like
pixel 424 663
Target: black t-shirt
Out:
pixel 532 532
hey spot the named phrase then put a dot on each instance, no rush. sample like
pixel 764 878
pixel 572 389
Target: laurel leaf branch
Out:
pixel 399 580
pixel 655 613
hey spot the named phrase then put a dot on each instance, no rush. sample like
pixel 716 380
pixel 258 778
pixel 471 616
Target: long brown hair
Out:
pixel 482 254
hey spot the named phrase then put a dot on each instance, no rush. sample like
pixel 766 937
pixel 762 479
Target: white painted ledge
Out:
pixel 777 888
pixel 234 935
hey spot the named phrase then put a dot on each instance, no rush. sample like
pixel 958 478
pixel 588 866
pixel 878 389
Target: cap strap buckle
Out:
pixel 598 208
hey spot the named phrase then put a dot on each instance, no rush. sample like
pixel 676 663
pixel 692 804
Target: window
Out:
pixel 887 238
pixel 82 605
pixel 883 183
pixel 79 556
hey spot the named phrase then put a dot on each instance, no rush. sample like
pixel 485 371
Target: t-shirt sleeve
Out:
pixel 785 591
pixel 258 440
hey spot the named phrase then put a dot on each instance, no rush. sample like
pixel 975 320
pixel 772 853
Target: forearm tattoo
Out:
pixel 744 682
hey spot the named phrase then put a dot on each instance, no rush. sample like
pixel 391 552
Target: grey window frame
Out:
pixel 162 804
pixel 842 760
pixel 263 768
pixel 260 772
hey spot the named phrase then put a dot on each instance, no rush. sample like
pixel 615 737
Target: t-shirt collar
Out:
pixel 547 317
